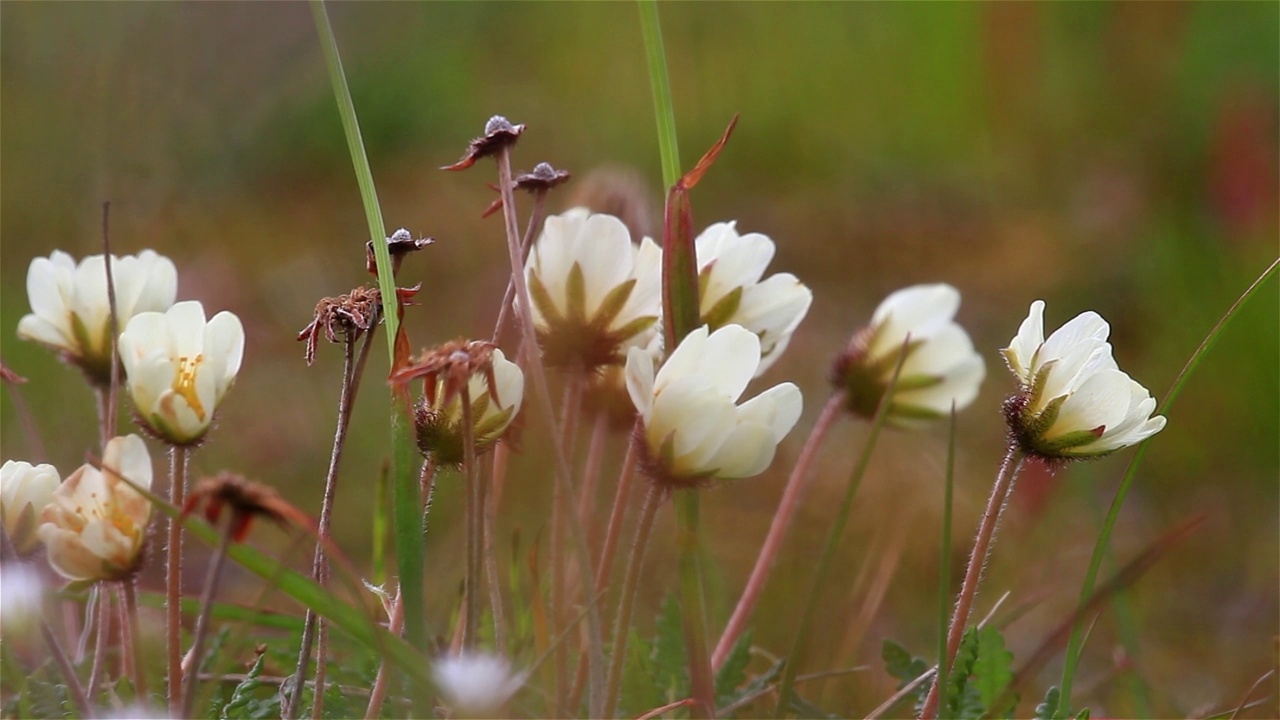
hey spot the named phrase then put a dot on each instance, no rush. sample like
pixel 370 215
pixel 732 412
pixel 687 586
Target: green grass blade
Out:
pixel 405 495
pixel 1104 538
pixel 663 108
pixel 944 565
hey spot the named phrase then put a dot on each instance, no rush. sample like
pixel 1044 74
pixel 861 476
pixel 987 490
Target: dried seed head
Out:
pixel 247 500
pixel 620 192
pixel 401 243
pixel 449 367
pixel 499 133
pixel 346 318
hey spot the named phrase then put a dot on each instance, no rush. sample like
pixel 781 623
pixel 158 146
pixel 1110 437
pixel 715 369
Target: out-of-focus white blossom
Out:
pixel 940 368
pixel 594 292
pixel 475 685
pixel 21 596
pixel 70 312
pixel 96 524
pixel 730 268
pixel 25 490
pixel 694 427
pixel 179 368
pixel 1074 401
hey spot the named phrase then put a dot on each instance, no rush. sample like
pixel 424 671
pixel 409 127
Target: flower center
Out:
pixel 184 383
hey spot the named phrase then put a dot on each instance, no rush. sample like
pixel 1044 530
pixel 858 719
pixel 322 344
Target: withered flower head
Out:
pixel 247 500
pixel 541 179
pixel 401 243
pixel 499 133
pixel 494 388
pixel 347 317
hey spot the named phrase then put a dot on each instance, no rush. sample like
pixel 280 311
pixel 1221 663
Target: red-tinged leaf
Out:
pixel 692 177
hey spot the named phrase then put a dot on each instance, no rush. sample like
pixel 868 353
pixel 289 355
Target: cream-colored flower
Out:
pixel 730 267
pixel 694 427
pixel 475 685
pixel 96 524
pixel 940 367
pixel 1074 401
pixel 594 292
pixel 179 368
pixel 438 415
pixel 70 312
pixel 25 490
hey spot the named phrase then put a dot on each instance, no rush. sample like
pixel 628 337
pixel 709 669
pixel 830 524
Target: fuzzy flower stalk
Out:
pixel 70 313
pixel 1072 402
pixel 25 491
pixel 940 369
pixel 95 525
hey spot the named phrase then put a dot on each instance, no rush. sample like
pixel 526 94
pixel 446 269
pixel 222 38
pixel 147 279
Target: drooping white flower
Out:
pixel 179 368
pixel 25 490
pixel 941 366
pixel 730 267
pixel 438 415
pixel 594 292
pixel 70 312
pixel 694 427
pixel 96 524
pixel 1074 401
pixel 475 685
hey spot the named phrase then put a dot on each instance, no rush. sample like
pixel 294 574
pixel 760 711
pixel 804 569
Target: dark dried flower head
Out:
pixel 246 499
pixel 448 367
pixel 401 243
pixel 499 133
pixel 541 179
pixel 347 317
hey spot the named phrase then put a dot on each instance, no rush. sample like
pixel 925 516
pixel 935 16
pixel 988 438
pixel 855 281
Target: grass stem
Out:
pixel 178 457
pixel 944 559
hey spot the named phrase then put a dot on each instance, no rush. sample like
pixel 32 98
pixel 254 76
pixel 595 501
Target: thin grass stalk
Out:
pixel 787 684
pixel 1113 514
pixel 103 622
pixel 474 512
pixel 1000 492
pixel 113 320
pixel 319 565
pixel 382 682
pixel 782 518
pixel 129 636
pixel 660 82
pixel 542 396
pixel 944 559
pixel 489 516
pixel 74 688
pixel 202 622
pixel 630 586
pixel 178 457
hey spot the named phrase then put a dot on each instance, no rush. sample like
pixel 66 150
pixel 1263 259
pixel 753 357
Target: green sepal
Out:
pixel 633 328
pixel 576 295
pixel 723 310
pixel 613 303
pixel 542 300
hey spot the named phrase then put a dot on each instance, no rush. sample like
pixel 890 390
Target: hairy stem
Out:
pixel 129 633
pixel 178 457
pixel 202 623
pixel 103 620
pixel 526 243
pixel 782 518
pixel 630 585
pixel 474 511
pixel 559 511
pixel 1013 460
pixel 489 502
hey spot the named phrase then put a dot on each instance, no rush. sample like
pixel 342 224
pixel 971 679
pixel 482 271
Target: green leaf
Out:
pixel 900 664
pixel 242 697
pixel 48 700
pixel 669 658
pixel 1048 709
pixel 640 689
pixel 734 670
pixel 962 697
pixel 992 669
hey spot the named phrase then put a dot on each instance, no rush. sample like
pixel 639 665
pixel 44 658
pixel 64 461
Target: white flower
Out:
pixel 594 292
pixel 1074 400
pixel 729 270
pixel 25 490
pixel 21 597
pixel 179 367
pixel 69 308
pixel 475 684
pixel 438 416
pixel 693 426
pixel 940 368
pixel 96 524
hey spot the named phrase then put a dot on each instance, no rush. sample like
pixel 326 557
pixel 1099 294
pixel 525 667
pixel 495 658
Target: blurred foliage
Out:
pixel 1115 157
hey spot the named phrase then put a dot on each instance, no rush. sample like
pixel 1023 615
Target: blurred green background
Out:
pixel 1114 157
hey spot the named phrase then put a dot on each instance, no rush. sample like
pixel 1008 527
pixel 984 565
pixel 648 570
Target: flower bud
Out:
pixel 495 387
pixel 25 490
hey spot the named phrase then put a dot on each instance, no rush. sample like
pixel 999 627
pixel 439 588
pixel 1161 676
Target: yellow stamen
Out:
pixel 185 383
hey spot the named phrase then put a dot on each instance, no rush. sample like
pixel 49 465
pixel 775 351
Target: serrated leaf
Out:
pixel 671 663
pixel 734 670
pixel 992 670
pixel 238 707
pixel 962 697
pixel 639 687
pixel 1048 709
pixel 47 700
pixel 898 662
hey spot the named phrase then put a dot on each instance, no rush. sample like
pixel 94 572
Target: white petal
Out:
pixel 686 359
pixel 920 310
pixel 777 408
pixel 1022 348
pixel 736 261
pixel 34 327
pixel 1101 402
pixel 606 256
pixel 730 360
pixel 128 455
pixel 186 324
pixel 746 452
pixel 90 302
pixel 224 345
pixel 699 416
pixel 510 382
pixel 639 376
pixel 960 383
